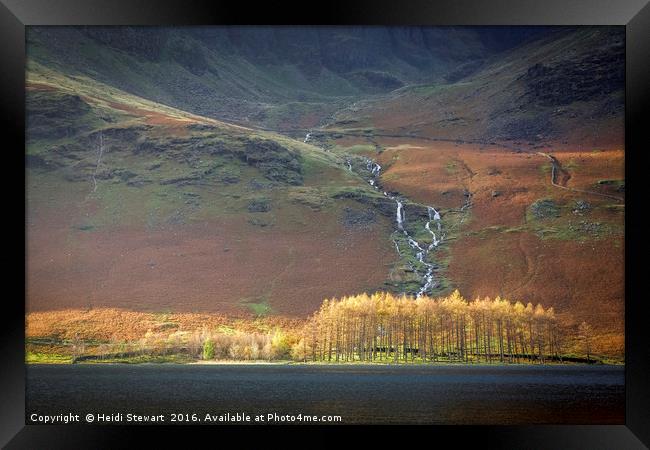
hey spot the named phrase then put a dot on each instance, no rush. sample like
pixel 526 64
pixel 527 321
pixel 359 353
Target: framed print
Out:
pixel 382 215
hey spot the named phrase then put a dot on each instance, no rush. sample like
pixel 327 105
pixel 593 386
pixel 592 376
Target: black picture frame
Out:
pixel 633 14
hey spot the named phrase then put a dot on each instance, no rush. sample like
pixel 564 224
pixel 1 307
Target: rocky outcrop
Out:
pixel 55 115
pixel 276 162
pixel 259 205
pixel 590 76
pixel 382 204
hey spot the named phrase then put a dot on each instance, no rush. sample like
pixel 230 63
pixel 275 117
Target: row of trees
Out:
pixel 383 327
pixel 378 327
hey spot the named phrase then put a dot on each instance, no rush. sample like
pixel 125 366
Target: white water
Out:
pixel 400 215
pixel 420 253
pixel 434 239
pixel 435 216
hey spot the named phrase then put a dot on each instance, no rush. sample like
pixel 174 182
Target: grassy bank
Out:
pixel 44 358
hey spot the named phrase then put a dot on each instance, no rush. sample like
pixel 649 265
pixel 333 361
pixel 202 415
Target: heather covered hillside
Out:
pixel 141 206
pixel 249 173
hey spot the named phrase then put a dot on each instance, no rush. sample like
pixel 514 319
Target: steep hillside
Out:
pixel 547 226
pixel 522 237
pixel 279 77
pixel 136 205
pixel 563 89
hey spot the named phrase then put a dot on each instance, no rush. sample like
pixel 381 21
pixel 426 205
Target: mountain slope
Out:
pixel 281 77
pixel 547 226
pixel 136 205
pixel 565 88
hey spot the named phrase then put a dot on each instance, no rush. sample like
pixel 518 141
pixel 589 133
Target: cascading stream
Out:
pixel 420 250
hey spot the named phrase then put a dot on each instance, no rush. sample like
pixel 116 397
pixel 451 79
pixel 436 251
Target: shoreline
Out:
pixel 338 364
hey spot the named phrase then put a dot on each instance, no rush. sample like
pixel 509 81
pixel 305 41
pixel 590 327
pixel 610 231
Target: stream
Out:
pixel 420 250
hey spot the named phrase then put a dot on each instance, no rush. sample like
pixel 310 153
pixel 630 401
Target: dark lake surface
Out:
pixel 444 394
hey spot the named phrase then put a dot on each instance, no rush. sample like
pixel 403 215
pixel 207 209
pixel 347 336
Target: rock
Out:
pixel 229 179
pixel 260 221
pixel 585 78
pixel 496 193
pixel 276 162
pixel 202 127
pixel 124 175
pixel 259 205
pixel 545 208
pixel 355 218
pixel 181 181
pixel 415 211
pixel 590 227
pixel 138 182
pixel 384 205
pixel 581 207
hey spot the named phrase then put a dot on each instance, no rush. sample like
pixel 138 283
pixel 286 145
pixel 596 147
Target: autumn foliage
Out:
pixel 383 327
pixel 380 327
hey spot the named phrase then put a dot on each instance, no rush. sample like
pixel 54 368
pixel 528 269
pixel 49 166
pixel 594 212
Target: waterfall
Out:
pixel 420 253
pixel 436 214
pixel 400 216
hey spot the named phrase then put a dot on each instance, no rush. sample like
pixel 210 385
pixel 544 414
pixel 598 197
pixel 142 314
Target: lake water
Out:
pixel 433 394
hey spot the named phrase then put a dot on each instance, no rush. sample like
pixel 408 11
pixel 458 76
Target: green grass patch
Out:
pixel 546 168
pixel 311 197
pixel 259 306
pixel 451 167
pixel 47 358
pixel 618 184
pixel 356 149
pixel 143 359
pixel 572 164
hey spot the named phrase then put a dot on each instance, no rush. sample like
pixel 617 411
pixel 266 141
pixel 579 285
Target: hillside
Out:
pixel 135 205
pixel 278 77
pixel 482 134
pixel 564 89
pixel 259 171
